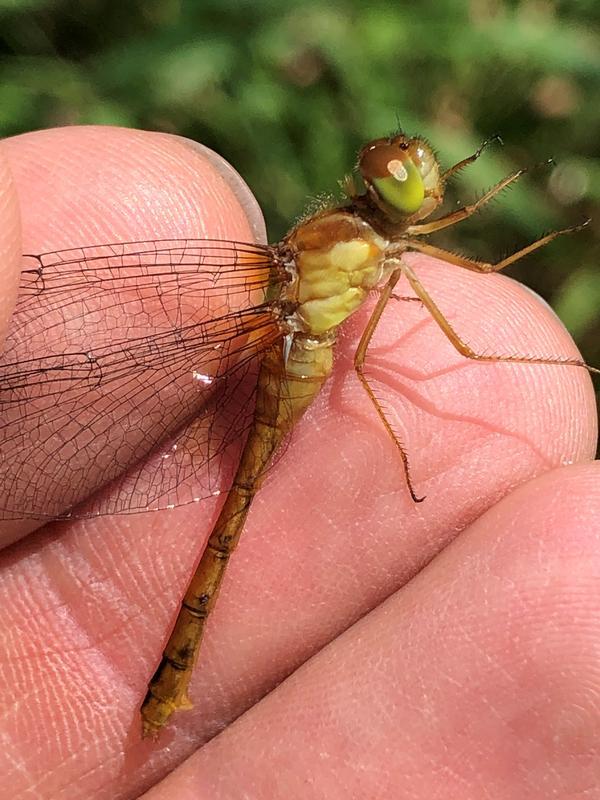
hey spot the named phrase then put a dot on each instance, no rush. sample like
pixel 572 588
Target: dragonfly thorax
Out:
pixel 339 259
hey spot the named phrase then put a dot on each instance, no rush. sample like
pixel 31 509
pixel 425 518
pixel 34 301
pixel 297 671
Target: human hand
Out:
pixel 477 677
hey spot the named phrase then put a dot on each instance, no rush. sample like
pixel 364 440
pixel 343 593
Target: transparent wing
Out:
pixel 123 351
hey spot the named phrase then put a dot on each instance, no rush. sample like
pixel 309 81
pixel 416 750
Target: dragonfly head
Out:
pixel 401 175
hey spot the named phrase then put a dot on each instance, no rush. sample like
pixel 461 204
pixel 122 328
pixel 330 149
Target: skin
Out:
pixel 455 642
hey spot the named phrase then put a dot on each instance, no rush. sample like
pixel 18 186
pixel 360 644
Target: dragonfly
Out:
pixel 235 339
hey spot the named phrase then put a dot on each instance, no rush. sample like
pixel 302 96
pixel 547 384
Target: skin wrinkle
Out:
pixel 72 756
pixel 58 788
pixel 18 767
pixel 80 649
pixel 28 622
pixel 117 604
pixel 76 756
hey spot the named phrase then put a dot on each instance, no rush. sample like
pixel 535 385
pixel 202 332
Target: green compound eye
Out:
pixel 403 189
pixel 395 171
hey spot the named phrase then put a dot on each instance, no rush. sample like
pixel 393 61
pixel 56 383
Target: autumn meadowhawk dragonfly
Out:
pixel 235 338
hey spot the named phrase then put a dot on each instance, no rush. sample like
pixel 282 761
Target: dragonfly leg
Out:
pixel 406 299
pixel 470 159
pixel 462 347
pixel 453 217
pixel 359 360
pixel 482 266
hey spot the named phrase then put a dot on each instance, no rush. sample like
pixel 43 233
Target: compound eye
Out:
pixel 389 169
pixel 424 159
pixel 426 163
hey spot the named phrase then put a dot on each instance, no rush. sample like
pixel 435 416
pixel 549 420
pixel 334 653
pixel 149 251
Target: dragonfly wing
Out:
pixel 113 351
pixel 197 462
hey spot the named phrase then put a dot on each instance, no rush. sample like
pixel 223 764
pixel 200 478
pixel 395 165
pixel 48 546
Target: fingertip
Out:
pixel 96 184
pixel 241 191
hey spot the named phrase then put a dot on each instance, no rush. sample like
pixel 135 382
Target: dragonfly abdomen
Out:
pixel 288 383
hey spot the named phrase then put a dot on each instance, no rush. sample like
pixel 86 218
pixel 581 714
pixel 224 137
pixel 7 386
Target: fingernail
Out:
pixel 238 186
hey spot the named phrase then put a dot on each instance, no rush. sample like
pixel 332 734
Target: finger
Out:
pixel 85 186
pixel 10 245
pixel 479 679
pixel 331 534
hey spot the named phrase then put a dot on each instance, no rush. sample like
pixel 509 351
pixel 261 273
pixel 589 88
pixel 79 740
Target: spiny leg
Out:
pixel 359 360
pixel 422 228
pixel 470 159
pixel 404 299
pixel 483 266
pixel 462 347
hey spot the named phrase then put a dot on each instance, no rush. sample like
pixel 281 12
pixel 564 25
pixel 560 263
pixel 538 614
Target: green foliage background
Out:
pixel 287 92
